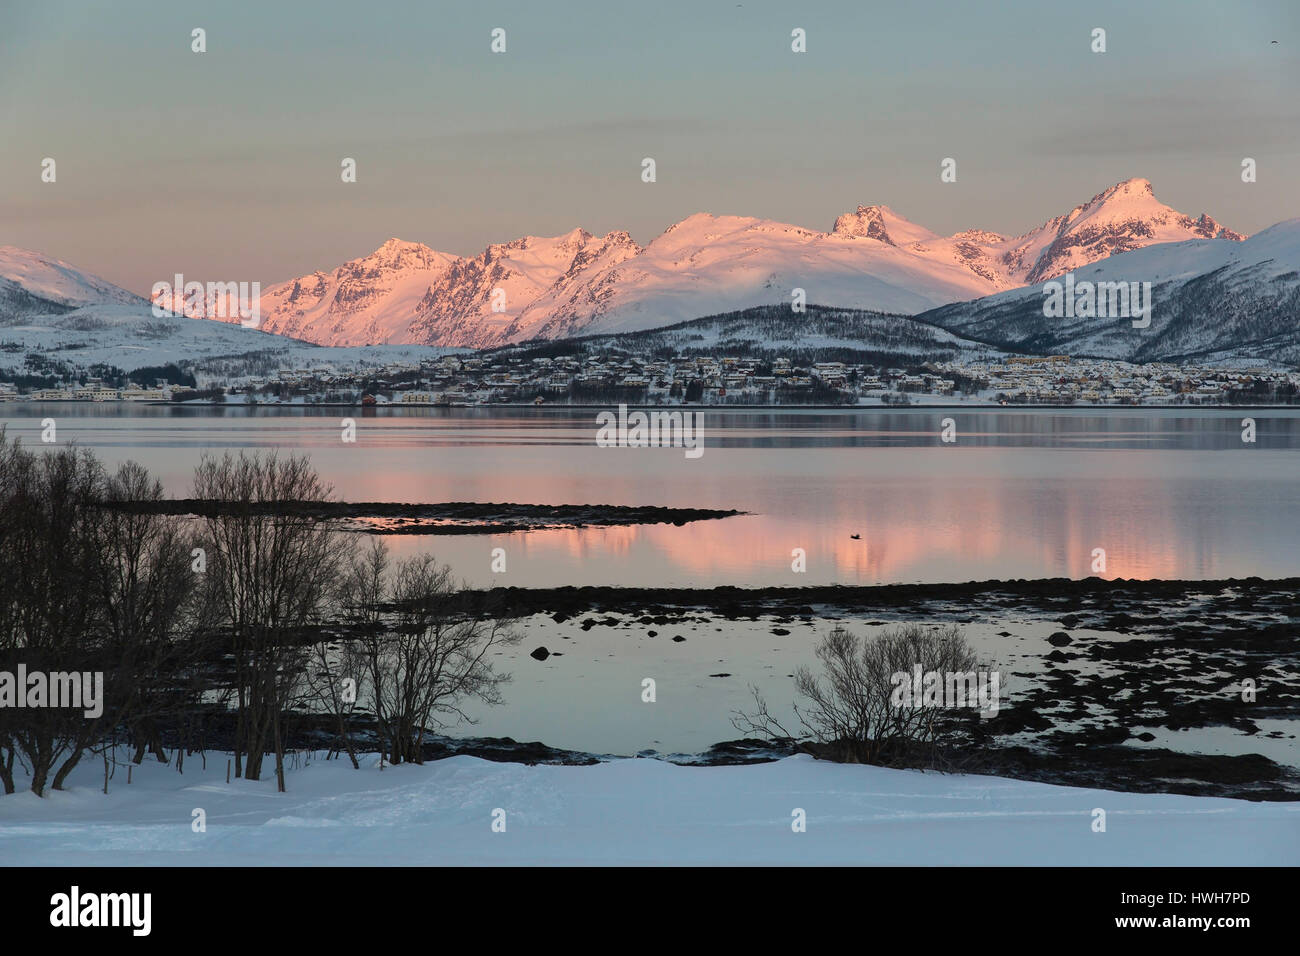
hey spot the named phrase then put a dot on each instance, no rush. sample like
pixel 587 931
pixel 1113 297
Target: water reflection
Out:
pixel 1166 493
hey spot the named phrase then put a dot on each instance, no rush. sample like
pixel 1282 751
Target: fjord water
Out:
pixel 1021 493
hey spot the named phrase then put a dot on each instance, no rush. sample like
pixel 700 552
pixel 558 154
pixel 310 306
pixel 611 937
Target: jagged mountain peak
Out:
pixel 620 237
pixel 401 254
pixel 1121 218
pixel 568 243
pixel 879 222
pixel 982 236
pixel 1137 186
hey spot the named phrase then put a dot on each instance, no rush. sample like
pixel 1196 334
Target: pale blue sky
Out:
pixel 225 165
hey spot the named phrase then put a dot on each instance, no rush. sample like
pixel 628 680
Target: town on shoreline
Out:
pixel 695 380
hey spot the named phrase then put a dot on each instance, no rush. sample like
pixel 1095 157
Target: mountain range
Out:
pixel 1217 295
pixel 583 284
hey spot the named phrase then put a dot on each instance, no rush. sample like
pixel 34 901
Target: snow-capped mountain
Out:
pixel 1125 217
pixel 68 319
pixel 1209 300
pixel 579 283
pixel 366 301
pixel 505 293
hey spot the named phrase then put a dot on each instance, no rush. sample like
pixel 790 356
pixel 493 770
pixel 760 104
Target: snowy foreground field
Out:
pixel 633 811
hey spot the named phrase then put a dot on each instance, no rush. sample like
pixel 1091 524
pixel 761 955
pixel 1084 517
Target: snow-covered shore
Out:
pixel 630 811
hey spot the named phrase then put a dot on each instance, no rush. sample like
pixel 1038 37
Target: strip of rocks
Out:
pixel 450 517
pixel 1118 604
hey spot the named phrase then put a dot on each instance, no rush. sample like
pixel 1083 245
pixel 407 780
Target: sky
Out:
pixel 226 165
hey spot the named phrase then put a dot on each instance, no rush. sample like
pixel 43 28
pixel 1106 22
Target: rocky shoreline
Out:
pixel 1170 655
pixel 451 517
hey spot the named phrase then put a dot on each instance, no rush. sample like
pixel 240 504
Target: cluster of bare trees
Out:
pixel 254 611
pixel 87 588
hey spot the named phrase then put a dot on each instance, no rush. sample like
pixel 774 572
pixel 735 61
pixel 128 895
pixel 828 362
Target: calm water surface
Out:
pixel 1021 493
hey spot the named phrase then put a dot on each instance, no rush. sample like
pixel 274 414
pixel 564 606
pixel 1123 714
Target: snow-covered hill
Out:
pixel 1210 300
pixel 820 334
pixel 55 283
pixel 578 283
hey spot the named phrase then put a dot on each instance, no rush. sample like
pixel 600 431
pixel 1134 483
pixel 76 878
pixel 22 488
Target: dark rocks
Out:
pixel 1017 720
pixel 1121 622
pixel 1060 639
pixel 505 750
pixel 1149 770
pixel 678 639
pixel 540 654
pixel 1107 735
pixel 746 751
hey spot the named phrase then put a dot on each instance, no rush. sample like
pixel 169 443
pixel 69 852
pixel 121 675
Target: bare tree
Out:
pixel 335 666
pixel 853 710
pixel 157 627
pixel 421 656
pixel 328 686
pixel 17 492
pixel 273 568
pixel 49 620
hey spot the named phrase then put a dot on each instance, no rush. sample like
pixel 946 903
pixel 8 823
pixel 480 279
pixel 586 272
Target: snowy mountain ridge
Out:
pixel 579 283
